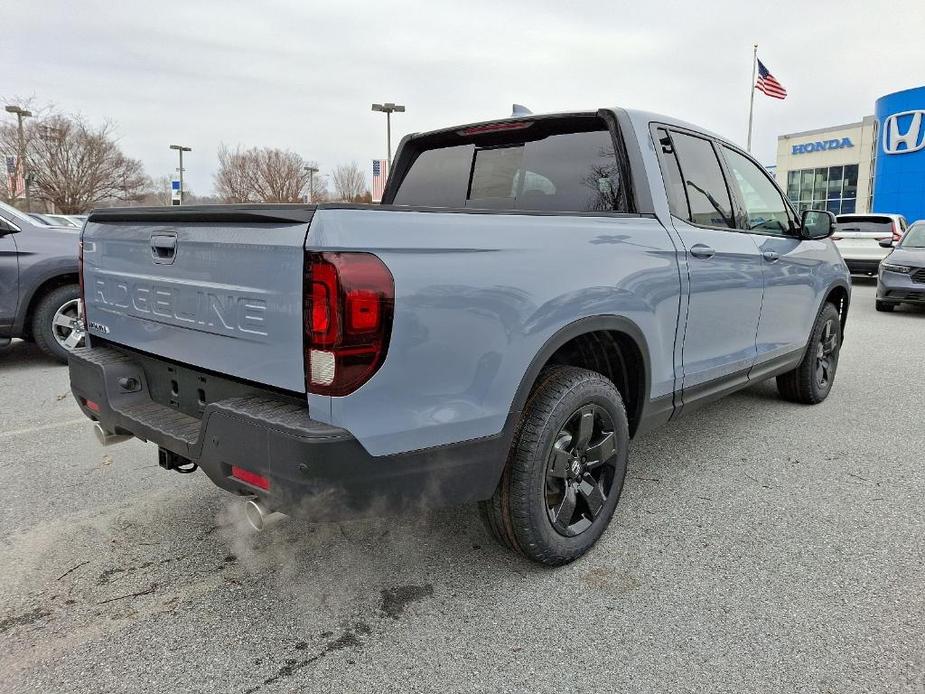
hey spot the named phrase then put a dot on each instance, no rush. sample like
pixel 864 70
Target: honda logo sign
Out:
pixel 903 132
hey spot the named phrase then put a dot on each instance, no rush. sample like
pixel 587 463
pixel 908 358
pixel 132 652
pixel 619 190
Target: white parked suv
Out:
pixel 857 237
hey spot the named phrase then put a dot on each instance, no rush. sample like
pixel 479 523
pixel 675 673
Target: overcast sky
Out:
pixel 302 75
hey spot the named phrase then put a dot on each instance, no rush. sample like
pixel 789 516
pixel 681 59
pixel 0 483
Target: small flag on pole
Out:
pixel 380 175
pixel 768 84
pixel 15 184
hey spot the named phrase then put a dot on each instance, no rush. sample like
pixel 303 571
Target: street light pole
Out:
pixel 388 109
pixel 22 114
pixel 312 170
pixel 181 149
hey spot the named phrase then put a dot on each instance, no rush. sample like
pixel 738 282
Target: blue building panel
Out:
pixel 899 178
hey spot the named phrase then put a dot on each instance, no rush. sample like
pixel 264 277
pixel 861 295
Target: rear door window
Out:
pixel 565 172
pixel 671 173
pixel 704 184
pixel 869 224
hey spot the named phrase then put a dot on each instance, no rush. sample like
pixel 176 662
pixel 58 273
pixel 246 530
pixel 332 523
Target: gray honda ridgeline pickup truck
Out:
pixel 531 294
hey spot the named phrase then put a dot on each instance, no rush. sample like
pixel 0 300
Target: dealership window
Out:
pixel 833 188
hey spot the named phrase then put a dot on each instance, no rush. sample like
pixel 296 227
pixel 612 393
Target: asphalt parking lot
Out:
pixel 759 546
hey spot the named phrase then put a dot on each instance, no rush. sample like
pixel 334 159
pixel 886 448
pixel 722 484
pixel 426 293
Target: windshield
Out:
pixel 915 236
pixel 15 214
pixel 871 223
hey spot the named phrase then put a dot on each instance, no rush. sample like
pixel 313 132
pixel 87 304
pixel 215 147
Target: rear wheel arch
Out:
pixel 47 286
pixel 613 346
pixel 840 297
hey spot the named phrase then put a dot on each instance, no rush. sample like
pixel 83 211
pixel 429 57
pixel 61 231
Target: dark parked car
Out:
pixel 39 284
pixel 901 279
pixel 54 220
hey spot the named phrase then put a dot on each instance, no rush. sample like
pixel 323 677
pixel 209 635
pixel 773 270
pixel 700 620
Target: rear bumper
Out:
pixel 862 266
pixel 314 469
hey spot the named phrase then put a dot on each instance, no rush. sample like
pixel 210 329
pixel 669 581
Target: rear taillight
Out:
pixel 349 298
pixel 897 234
pixel 81 304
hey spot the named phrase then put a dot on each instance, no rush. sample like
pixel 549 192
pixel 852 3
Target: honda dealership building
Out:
pixel 874 165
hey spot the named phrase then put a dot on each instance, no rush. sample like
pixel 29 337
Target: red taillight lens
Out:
pixel 349 298
pixel 259 481
pixel 363 311
pixel 92 405
pixel 323 324
pixel 80 275
pixel 897 234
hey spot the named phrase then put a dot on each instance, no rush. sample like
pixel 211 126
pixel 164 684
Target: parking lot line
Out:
pixel 43 427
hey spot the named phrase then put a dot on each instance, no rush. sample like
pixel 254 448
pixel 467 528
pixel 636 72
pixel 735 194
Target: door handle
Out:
pixel 770 256
pixel 701 250
pixel 163 247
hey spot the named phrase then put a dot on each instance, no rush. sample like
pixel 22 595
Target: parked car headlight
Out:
pixel 889 267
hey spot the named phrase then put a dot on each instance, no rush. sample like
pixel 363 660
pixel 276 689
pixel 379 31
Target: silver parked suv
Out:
pixel 858 236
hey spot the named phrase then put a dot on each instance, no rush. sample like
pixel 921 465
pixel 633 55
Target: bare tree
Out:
pixel 349 183
pixel 158 191
pixel 74 165
pixel 260 175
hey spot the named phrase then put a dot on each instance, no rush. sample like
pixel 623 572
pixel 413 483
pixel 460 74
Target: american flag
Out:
pixel 380 174
pixel 768 84
pixel 14 180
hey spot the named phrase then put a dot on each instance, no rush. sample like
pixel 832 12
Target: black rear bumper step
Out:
pixel 315 469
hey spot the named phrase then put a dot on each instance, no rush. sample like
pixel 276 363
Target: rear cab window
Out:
pixel 566 164
pixel 870 224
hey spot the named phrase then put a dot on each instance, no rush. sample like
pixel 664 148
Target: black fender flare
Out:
pixel 570 331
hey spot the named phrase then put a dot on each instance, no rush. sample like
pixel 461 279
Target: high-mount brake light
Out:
pixel 494 127
pixel 349 299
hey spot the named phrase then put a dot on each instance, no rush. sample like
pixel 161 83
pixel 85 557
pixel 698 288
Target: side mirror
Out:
pixel 817 224
pixel 886 243
pixel 6 227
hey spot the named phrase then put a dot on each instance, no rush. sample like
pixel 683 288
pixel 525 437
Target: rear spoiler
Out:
pixel 229 214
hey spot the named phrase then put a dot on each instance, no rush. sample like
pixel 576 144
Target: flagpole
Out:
pixel 751 102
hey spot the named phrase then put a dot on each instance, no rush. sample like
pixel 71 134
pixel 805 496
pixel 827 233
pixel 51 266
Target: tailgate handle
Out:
pixel 163 247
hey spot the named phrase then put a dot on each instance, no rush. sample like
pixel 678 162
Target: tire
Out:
pixel 811 382
pixel 884 306
pixel 51 325
pixel 565 470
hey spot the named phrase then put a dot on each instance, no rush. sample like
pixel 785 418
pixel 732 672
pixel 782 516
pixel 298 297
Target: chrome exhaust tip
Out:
pixel 106 438
pixel 259 516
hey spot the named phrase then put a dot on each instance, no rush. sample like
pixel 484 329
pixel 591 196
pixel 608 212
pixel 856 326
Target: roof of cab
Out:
pixel 641 120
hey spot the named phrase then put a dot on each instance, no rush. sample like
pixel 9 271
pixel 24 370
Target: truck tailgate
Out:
pixel 216 288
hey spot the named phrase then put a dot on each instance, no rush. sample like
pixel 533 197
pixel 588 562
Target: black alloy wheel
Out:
pixel 566 467
pixel 581 470
pixel 811 381
pixel 827 353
